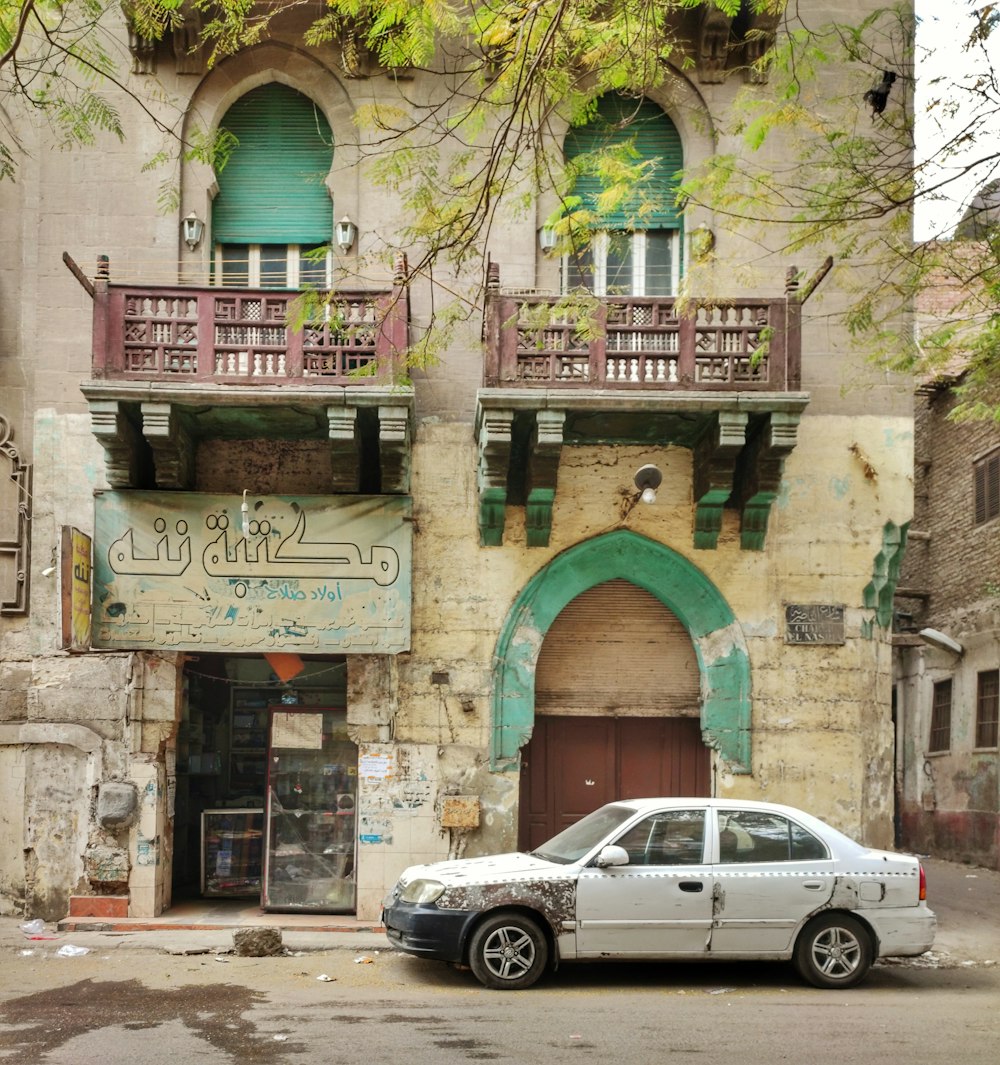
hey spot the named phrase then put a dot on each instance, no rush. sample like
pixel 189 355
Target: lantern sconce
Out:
pixel 546 239
pixel 345 233
pixel 192 229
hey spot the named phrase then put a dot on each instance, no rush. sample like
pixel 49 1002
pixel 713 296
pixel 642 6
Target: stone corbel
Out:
pixel 121 441
pixel 189 50
pixel 345 448
pixel 757 42
pixel 494 464
pixel 171 444
pixel 143 49
pixel 543 471
pixel 761 475
pixel 394 449
pixel 15 550
pixel 714 465
pixel 713 45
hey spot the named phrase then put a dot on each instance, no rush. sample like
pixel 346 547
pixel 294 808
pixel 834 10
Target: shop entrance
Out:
pixel 266 781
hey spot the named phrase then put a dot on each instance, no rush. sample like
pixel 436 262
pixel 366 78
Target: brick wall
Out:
pixel 960 563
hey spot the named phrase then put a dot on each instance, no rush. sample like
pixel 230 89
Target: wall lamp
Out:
pixel 192 229
pixel 345 233
pixel 647 479
pixel 546 239
pixel 938 639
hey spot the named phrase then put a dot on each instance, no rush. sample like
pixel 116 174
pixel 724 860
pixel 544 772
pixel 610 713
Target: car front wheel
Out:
pixel 508 952
pixel 834 951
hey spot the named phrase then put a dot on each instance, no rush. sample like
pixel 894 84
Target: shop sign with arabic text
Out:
pixel 189 571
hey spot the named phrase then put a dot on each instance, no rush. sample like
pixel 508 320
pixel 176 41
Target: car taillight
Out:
pixel 923 884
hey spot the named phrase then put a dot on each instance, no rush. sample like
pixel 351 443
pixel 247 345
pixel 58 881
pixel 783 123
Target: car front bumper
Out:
pixel 427 931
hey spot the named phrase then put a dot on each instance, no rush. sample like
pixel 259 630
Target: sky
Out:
pixel 941 34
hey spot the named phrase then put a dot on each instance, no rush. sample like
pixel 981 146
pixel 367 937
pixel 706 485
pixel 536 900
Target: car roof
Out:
pixel 681 801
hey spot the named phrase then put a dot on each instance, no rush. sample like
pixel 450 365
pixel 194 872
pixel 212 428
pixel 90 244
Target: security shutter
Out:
pixel 272 190
pixel 654 138
pixel 617 650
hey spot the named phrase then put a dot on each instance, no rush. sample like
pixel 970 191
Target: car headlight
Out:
pixel 422 891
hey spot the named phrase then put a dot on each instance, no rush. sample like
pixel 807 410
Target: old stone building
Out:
pixel 948 685
pixel 365 623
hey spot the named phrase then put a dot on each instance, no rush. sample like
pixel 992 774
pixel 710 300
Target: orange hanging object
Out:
pixel 285 665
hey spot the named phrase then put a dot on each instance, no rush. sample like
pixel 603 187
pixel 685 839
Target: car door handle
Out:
pixel 691 885
pixel 813 885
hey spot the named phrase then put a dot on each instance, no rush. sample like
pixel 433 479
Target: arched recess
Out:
pixel 232 79
pixel 679 585
pixel 681 100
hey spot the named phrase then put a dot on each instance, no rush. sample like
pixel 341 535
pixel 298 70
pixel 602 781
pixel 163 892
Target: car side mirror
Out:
pixel 611 855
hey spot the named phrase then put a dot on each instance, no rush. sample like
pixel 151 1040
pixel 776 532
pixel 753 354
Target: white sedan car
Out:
pixel 669 879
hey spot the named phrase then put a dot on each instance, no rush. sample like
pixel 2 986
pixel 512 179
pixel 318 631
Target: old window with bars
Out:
pixel 940 738
pixel 987 707
pixel 986 474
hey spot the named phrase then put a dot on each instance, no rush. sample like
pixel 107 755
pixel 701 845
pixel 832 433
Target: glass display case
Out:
pixel 231 852
pixel 312 778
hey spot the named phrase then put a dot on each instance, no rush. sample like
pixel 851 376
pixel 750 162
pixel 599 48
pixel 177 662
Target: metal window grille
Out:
pixel 940 739
pixel 987 708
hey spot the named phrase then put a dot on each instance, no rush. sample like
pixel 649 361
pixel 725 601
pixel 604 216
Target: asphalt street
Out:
pixel 182 997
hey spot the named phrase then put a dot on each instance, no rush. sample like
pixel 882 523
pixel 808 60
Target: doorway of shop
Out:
pixel 242 729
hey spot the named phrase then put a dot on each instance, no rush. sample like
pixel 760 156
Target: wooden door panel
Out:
pixel 581 766
pixel 573 765
pixel 661 756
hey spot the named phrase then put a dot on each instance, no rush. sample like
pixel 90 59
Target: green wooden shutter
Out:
pixel 272 190
pixel 655 138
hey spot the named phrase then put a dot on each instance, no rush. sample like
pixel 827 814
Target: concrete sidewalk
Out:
pixel 965 898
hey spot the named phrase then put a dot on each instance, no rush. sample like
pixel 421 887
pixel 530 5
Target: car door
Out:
pixel 770 874
pixel 660 903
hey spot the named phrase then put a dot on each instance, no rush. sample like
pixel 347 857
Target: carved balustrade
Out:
pixel 245 336
pixel 630 342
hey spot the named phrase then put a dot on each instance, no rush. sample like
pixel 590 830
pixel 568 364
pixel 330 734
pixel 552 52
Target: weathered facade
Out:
pixel 546 638
pixel 948 657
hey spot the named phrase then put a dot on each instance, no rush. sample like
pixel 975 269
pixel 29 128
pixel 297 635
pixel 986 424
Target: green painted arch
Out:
pixel 671 578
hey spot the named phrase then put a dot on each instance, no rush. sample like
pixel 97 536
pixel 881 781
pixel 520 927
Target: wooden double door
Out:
pixel 573 764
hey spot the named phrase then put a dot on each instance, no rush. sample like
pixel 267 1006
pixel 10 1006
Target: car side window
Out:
pixel 670 837
pixel 757 836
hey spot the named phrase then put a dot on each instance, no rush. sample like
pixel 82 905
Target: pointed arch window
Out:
pixel 635 247
pixel 272 219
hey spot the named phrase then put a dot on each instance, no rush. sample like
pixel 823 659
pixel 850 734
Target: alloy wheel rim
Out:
pixel 836 953
pixel 509 952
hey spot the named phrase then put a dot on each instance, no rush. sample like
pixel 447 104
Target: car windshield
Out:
pixel 574 842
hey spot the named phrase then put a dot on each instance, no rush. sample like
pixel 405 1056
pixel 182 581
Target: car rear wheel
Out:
pixel 508 952
pixel 834 951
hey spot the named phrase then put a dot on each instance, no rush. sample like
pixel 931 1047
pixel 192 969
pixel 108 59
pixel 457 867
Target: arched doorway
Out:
pixel 617 711
pixel 716 637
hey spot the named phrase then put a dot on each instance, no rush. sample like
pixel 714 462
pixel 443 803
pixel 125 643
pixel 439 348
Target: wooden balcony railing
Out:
pixel 245 336
pixel 643 343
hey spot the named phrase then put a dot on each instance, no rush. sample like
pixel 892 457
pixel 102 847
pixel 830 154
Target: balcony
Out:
pixel 175 365
pixel 643 343
pixel 721 377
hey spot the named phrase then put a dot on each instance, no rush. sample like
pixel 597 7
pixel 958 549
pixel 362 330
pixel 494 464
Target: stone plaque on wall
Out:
pixel 817 623
pixel 191 571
